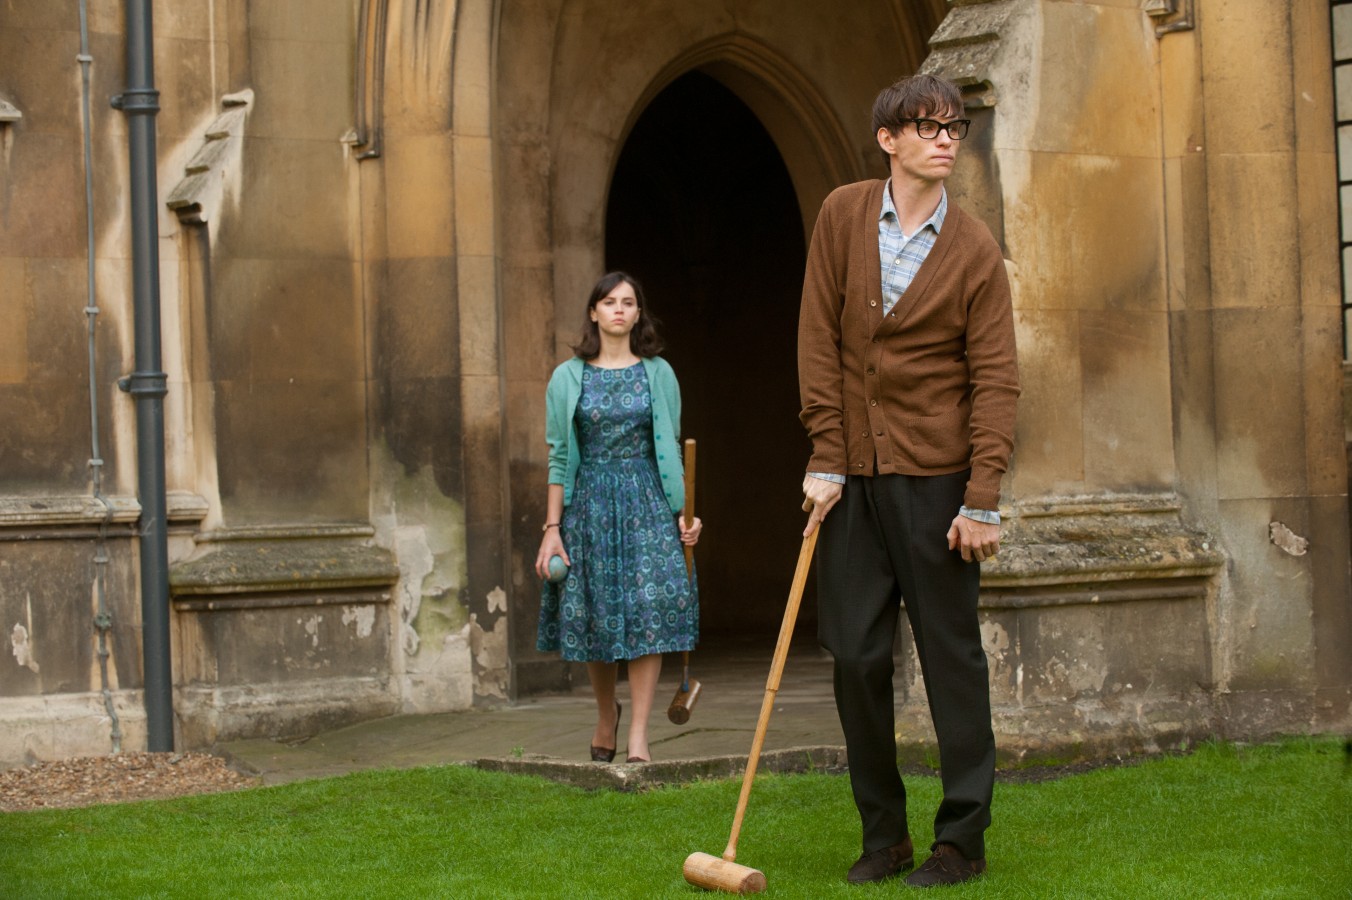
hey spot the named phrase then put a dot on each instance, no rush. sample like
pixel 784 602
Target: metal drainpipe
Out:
pixel 140 103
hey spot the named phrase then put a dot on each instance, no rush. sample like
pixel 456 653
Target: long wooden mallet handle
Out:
pixel 689 513
pixel 772 685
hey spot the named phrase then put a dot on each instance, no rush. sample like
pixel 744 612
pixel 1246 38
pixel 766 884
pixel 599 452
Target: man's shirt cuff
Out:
pixel 989 516
pixel 828 476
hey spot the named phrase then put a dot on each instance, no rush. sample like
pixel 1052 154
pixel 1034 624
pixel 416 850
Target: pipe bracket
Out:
pixel 137 101
pixel 144 384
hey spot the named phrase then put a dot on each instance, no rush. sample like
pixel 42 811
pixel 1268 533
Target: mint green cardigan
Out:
pixel 561 398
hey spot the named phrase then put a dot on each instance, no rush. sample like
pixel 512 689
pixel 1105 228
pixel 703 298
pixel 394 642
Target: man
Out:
pixel 908 379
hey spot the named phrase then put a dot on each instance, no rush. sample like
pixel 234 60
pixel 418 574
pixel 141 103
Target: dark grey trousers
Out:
pixel 884 542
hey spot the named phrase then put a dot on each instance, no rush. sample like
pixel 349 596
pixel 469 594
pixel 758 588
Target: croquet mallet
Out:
pixel 710 872
pixel 686 695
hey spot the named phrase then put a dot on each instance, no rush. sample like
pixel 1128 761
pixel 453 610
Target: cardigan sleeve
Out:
pixel 820 378
pixel 994 375
pixel 557 430
pixel 667 429
pixel 671 391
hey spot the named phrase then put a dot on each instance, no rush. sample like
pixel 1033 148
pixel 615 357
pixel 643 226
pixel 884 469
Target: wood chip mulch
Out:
pixel 87 781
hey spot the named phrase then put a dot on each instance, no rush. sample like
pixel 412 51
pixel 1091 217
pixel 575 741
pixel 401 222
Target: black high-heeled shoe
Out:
pixel 607 754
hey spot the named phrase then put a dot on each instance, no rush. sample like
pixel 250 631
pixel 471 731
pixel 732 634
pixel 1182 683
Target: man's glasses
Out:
pixel 929 128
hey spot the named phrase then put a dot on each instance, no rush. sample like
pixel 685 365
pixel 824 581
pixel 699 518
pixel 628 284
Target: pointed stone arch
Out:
pixel 815 145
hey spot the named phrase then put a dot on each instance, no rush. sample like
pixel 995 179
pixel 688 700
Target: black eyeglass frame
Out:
pixel 963 126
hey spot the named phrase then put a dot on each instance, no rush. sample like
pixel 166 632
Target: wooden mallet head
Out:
pixel 684 701
pixel 714 874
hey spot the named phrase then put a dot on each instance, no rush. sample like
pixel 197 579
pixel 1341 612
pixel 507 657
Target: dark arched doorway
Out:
pixel 702 211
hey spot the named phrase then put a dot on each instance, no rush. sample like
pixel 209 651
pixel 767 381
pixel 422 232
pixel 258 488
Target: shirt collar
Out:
pixel 936 220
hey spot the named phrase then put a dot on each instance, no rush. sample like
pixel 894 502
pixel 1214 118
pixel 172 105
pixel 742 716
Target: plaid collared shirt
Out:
pixel 901 255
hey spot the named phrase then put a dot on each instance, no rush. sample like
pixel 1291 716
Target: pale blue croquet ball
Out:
pixel 558 569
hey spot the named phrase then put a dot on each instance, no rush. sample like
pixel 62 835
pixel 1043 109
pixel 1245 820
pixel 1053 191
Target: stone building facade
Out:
pixel 377 222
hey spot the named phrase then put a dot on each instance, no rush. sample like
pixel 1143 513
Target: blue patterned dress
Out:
pixel 627 594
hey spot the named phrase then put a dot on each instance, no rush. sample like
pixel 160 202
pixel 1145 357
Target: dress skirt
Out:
pixel 627 593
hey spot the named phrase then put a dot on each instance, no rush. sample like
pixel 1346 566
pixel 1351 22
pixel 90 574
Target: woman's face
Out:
pixel 616 312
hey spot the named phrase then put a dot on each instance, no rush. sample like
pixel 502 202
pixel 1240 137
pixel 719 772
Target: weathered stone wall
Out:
pixel 330 290
pixel 55 535
pixel 268 339
pixel 376 235
pixel 1267 449
pixel 313 413
pixel 422 327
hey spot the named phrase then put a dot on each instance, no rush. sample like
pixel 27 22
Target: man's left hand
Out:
pixel 976 540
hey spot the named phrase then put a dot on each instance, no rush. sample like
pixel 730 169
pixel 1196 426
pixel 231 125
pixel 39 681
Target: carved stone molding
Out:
pixel 368 134
pixel 964 47
pixel 1081 542
pixel 193 197
pixel 315 561
pixel 1171 15
pixel 21 515
pixel 52 511
pixel 272 567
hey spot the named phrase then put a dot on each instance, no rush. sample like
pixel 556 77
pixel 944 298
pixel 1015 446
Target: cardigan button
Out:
pixel 873 303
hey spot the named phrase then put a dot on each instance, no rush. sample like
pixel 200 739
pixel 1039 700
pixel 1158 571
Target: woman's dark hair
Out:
pixel 643 340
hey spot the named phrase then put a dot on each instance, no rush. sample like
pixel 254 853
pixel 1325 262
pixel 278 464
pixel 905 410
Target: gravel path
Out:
pixel 90 780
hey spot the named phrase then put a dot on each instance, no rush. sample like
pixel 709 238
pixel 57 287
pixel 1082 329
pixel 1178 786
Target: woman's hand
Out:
pixel 550 546
pixel 690 535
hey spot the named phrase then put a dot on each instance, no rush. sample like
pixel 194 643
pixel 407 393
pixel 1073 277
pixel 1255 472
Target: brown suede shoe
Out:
pixel 881 864
pixel 946 866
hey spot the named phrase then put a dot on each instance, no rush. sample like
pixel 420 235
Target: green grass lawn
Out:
pixel 1266 821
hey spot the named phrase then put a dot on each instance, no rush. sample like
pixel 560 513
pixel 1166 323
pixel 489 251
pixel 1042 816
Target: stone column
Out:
pixel 1269 451
pixel 432 281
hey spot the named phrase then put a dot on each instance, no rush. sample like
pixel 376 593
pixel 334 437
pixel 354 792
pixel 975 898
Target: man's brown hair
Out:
pixel 913 97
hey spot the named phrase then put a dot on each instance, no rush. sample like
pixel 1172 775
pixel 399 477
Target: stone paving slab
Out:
pixel 638 776
pixel 550 736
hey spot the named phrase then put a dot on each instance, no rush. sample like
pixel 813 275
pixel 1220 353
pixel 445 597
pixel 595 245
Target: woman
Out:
pixel 616 491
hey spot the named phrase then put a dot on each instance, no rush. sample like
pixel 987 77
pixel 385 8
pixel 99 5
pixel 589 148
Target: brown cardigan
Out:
pixel 931 389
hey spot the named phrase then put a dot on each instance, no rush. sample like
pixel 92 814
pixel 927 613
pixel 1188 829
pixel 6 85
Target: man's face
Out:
pixel 921 159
